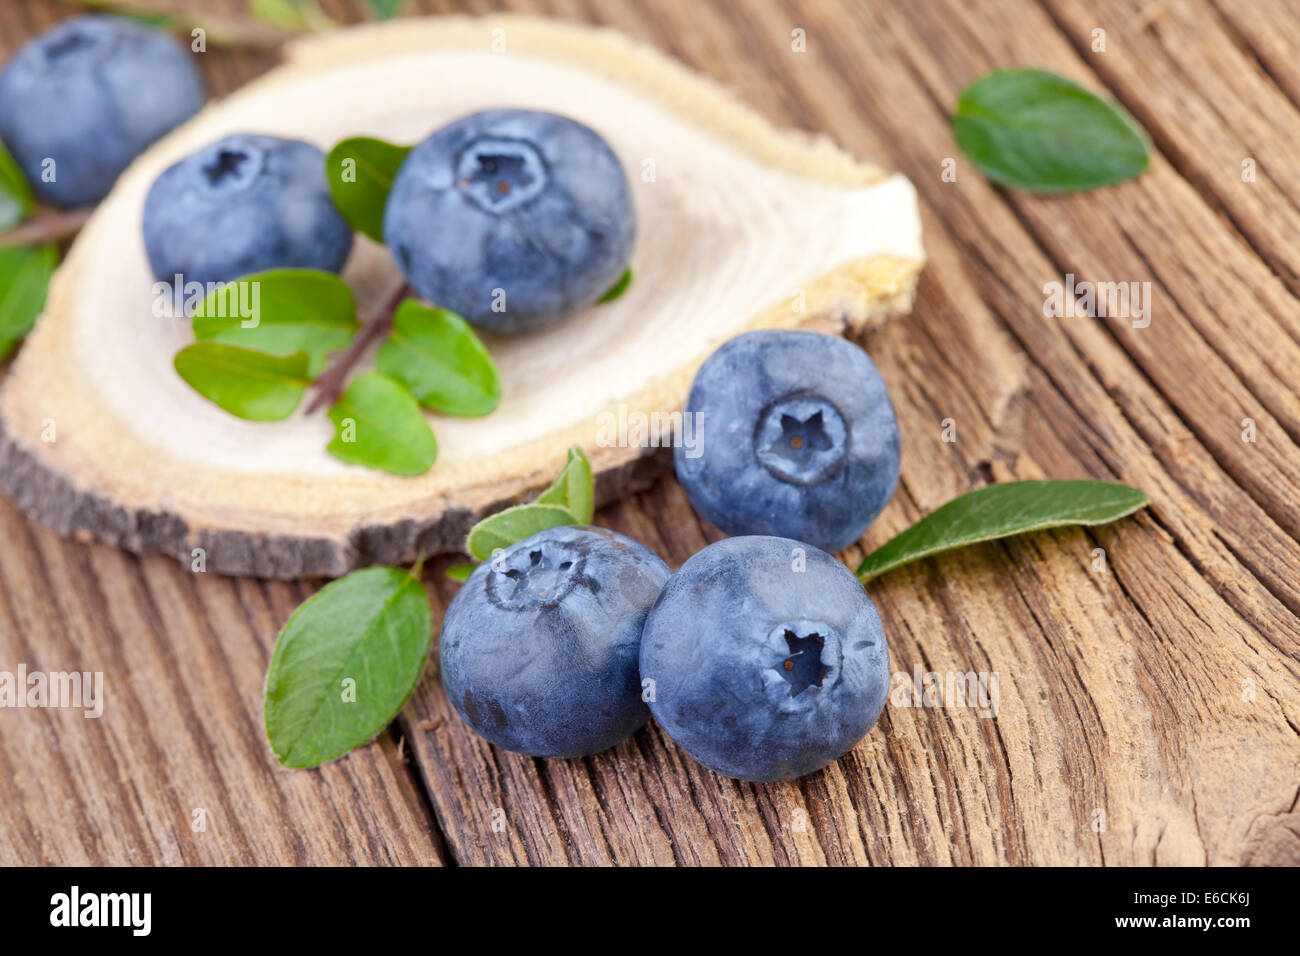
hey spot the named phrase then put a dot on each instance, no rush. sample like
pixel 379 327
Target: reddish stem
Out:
pixel 330 385
pixel 51 225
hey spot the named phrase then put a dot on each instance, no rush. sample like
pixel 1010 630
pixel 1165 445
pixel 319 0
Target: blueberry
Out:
pixel 767 656
pixel 512 218
pixel 797 438
pixel 91 94
pixel 244 204
pixel 540 645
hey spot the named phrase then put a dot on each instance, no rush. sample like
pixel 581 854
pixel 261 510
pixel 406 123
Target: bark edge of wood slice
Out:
pixel 741 226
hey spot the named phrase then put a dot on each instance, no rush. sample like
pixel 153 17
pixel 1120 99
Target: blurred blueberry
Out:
pixel 767 656
pixel 244 204
pixel 528 203
pixel 91 94
pixel 796 438
pixel 540 645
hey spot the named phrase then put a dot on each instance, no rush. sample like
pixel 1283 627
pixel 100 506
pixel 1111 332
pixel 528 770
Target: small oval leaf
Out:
pixel 1039 131
pixel 292 15
pixel 24 281
pixel 280 312
pixel 378 424
pixel 360 173
pixel 15 192
pixel 461 572
pixel 619 287
pixel 513 525
pixel 386 9
pixel 574 488
pixel 248 384
pixel 345 664
pixel 436 353
pixel 1000 511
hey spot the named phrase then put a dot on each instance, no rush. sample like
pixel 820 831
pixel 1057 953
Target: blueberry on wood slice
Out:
pixel 512 218
pixel 243 204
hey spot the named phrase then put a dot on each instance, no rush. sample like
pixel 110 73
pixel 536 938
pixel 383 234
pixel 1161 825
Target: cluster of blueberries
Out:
pixel 762 656
pixel 511 218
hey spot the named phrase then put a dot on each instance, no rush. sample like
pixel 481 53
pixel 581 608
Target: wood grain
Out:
pixel 1149 712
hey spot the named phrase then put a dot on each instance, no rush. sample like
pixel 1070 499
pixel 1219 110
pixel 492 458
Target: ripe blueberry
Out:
pixel 797 438
pixel 91 94
pixel 767 657
pixel 540 645
pixel 244 204
pixel 512 218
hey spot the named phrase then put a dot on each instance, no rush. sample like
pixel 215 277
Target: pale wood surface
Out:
pixel 1164 691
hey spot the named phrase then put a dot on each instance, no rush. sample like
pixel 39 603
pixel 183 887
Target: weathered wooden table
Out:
pixel 1149 700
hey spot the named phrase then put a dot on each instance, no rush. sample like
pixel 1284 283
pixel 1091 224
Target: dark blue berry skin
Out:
pixel 244 204
pixel 760 671
pixel 797 439
pixel 91 94
pixel 522 201
pixel 540 646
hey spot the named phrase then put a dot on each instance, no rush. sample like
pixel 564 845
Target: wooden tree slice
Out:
pixel 741 226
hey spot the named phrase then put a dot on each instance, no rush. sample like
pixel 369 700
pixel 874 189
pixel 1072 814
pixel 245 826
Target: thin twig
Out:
pixel 53 225
pixel 330 385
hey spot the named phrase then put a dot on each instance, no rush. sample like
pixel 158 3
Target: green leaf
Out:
pixel 345 664
pixel 437 354
pixel 461 572
pixel 386 9
pixel 568 500
pixel 280 13
pixel 1000 511
pixel 24 280
pixel 573 489
pixel 118 9
pixel 15 192
pixel 360 172
pixel 292 14
pixel 619 287
pixel 1041 132
pixel 289 310
pixel 378 424
pixel 248 384
pixel 513 525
